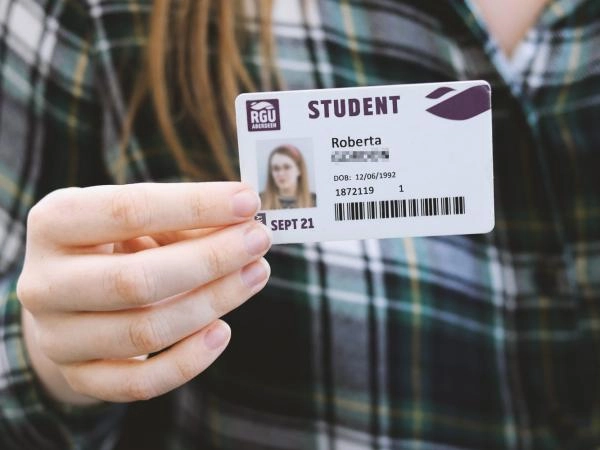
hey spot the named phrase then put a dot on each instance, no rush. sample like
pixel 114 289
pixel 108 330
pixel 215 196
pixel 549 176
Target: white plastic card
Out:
pixel 370 162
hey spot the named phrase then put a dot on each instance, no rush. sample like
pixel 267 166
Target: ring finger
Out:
pixel 125 281
pixel 124 334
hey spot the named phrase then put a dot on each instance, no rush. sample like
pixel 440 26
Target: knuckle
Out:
pixel 57 204
pixel 198 207
pixel 47 341
pixel 37 218
pixel 30 291
pixel 129 208
pixel 222 301
pixel 213 263
pixel 146 335
pixel 82 381
pixel 186 368
pixel 139 388
pixel 75 381
pixel 25 291
pixel 132 284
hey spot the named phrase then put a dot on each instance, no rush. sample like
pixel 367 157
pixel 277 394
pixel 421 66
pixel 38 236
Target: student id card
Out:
pixel 370 162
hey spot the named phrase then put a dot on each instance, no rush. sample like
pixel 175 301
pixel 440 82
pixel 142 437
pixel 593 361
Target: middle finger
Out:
pixel 124 281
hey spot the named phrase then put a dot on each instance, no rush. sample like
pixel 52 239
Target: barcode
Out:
pixel 386 209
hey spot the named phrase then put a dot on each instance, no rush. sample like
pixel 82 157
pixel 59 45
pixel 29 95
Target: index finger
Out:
pixel 101 214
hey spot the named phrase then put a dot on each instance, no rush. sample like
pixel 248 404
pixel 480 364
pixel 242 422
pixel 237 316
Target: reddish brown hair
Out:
pixel 180 59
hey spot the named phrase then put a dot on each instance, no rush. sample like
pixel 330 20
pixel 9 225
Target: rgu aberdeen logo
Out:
pixel 263 115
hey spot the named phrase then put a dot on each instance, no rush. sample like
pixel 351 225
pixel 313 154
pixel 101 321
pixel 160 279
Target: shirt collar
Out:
pixel 557 10
pixel 553 12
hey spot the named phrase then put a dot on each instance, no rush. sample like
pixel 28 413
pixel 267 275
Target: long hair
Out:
pixel 194 54
pixel 270 197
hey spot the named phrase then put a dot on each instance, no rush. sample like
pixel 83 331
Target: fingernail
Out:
pixel 245 203
pixel 257 239
pixel 216 336
pixel 254 274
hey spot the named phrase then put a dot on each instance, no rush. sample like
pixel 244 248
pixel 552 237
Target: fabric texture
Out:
pixel 463 342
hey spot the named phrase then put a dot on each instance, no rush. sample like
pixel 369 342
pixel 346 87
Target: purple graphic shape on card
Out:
pixel 465 105
pixel 439 92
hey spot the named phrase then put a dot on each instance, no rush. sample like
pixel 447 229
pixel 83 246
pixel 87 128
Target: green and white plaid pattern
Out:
pixel 464 342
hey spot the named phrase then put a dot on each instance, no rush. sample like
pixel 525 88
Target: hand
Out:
pixel 113 273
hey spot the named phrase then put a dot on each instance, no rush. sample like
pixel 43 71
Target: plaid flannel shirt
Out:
pixel 463 342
